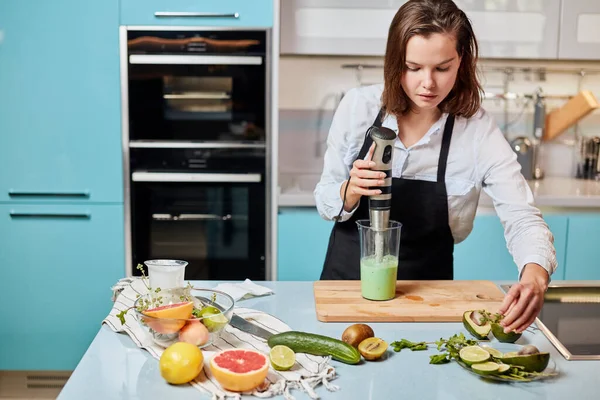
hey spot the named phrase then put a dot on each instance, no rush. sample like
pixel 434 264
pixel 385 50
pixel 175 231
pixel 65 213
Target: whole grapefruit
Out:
pixel 239 370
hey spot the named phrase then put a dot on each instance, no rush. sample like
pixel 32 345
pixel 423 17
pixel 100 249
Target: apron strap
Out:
pixel 445 148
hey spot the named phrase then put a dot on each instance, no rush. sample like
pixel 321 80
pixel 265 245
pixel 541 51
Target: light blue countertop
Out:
pixel 114 368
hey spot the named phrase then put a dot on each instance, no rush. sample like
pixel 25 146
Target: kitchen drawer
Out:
pixel 303 237
pixel 583 252
pixel 60 111
pixel 58 263
pixel 484 255
pixel 233 13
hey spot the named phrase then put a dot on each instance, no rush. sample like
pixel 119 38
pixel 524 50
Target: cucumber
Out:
pixel 318 345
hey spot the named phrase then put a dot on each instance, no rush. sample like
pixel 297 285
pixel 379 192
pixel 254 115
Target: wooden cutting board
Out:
pixel 415 301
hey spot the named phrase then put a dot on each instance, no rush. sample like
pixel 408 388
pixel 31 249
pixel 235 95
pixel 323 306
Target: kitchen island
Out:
pixel 115 368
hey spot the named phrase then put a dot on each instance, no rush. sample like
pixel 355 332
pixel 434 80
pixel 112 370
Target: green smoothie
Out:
pixel 378 279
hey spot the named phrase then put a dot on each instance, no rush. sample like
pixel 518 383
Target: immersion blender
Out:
pixel 380 205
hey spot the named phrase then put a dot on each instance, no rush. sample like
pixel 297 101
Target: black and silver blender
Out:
pixel 381 204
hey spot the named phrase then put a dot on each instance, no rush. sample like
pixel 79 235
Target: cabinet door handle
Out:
pixel 21 193
pixel 25 214
pixel 162 14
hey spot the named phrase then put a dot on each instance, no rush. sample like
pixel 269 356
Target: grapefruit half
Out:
pixel 239 370
pixel 174 317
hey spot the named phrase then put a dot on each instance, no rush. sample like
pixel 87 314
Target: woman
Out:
pixel 447 150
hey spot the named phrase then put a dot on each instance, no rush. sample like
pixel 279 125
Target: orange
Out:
pixel 239 370
pixel 174 314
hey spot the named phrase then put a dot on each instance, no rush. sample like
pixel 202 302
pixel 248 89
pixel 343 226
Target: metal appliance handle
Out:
pixel 22 193
pixel 194 217
pixel 171 59
pixel 189 14
pixel 157 144
pixel 194 177
pixel 35 214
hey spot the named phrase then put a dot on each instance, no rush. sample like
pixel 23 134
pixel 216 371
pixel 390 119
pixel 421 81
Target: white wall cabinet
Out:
pixel 515 29
pixel 336 27
pixel 580 30
pixel 505 29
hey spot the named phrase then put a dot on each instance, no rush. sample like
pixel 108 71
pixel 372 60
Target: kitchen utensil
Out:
pixel 380 205
pixel 248 327
pixel 539 121
pixel 415 301
pixel 525 155
pixel 557 121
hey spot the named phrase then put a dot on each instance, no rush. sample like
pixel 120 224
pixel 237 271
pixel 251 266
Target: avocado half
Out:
pixel 510 337
pixel 478 331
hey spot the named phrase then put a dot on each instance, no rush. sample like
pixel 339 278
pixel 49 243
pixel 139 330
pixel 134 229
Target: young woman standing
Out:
pixel 448 149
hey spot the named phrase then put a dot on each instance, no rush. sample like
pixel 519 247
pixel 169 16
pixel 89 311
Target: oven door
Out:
pixel 215 221
pixel 197 86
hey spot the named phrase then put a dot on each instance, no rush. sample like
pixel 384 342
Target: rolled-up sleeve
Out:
pixel 528 237
pixel 335 165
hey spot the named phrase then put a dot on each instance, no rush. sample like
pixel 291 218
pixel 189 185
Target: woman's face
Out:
pixel 431 68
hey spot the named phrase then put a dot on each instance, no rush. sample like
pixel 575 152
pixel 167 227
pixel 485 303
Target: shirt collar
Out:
pixel 390 122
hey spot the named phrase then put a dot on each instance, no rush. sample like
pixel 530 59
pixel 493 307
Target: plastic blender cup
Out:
pixel 378 269
pixel 166 274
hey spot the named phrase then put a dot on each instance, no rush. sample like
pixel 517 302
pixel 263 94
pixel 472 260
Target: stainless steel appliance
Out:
pixel 570 319
pixel 197 144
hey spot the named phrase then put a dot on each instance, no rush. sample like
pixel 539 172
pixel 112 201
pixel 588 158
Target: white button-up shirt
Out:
pixel 479 158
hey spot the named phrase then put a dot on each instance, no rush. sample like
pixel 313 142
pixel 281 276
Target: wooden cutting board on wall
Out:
pixel 415 301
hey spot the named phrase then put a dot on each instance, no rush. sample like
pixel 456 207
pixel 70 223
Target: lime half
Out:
pixel 485 368
pixel 473 354
pixel 212 318
pixel 282 357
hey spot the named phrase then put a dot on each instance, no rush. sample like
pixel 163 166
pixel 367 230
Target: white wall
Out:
pixel 310 87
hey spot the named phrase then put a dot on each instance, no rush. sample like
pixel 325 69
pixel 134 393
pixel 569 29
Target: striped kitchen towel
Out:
pixel 308 372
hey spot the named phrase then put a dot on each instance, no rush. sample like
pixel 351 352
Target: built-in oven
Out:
pixel 196 136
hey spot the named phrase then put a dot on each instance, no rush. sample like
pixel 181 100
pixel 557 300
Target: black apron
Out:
pixel 426 242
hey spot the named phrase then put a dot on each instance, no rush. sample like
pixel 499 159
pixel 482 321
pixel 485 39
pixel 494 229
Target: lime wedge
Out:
pixel 485 368
pixel 282 357
pixel 503 368
pixel 473 354
pixel 493 352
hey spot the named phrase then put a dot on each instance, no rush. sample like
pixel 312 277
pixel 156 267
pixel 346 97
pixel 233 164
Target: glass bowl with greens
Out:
pixel 196 316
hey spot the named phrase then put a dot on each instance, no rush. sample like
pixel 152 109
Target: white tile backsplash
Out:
pixel 311 87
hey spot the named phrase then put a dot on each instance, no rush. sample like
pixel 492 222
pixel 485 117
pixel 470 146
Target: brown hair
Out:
pixel 425 17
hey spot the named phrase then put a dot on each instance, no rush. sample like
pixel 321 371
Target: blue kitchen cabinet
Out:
pixel 58 263
pixel 303 237
pixel 231 13
pixel 583 249
pixel 484 255
pixel 60 130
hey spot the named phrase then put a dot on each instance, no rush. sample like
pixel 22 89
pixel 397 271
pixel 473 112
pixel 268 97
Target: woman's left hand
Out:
pixel 525 299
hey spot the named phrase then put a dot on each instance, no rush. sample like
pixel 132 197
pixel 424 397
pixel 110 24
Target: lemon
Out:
pixel 282 357
pixel 473 354
pixel 180 363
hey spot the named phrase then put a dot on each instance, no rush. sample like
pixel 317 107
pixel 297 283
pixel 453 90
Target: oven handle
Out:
pixel 162 14
pixel 193 217
pixel 194 177
pixel 171 59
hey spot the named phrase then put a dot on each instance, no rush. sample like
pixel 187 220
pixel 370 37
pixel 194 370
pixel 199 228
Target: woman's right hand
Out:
pixel 362 179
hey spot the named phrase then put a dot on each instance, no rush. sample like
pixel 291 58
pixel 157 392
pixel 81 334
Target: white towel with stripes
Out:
pixel 308 372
